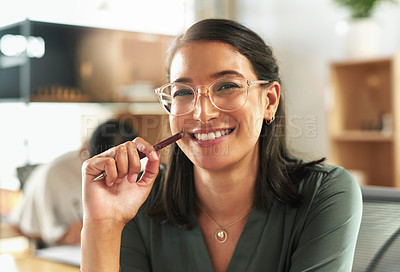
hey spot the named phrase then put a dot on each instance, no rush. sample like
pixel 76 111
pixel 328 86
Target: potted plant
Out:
pixel 361 31
pixel 360 9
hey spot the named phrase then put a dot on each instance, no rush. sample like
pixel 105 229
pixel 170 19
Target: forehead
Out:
pixel 201 60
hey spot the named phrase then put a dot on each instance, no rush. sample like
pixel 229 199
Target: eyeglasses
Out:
pixel 225 94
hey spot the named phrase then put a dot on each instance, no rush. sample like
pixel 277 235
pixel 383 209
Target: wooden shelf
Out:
pixel 364 119
pixel 363 136
pixel 85 64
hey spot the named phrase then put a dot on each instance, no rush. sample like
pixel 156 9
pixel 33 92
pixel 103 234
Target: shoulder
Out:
pixel 331 198
pixel 326 223
pixel 67 159
pixel 329 177
pixel 330 185
pixel 65 167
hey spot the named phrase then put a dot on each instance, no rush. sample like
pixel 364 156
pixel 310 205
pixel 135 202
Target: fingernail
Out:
pixel 153 155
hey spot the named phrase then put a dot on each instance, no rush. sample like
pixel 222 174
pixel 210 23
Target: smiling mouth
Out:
pixel 211 135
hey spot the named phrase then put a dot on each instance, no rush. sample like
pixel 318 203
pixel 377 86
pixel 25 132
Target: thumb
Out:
pixel 151 169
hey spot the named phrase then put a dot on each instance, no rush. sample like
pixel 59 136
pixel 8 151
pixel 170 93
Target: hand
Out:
pixel 118 197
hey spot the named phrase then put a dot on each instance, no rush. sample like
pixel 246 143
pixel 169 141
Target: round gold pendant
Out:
pixel 221 236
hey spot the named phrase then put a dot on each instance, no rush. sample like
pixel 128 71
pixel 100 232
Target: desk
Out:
pixel 29 263
pixel 16 255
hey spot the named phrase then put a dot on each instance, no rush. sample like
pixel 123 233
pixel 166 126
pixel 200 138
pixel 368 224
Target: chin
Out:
pixel 213 161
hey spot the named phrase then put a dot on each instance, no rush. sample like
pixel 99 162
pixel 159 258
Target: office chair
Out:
pixel 378 243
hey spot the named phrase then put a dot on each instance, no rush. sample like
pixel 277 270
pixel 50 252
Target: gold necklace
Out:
pixel 221 235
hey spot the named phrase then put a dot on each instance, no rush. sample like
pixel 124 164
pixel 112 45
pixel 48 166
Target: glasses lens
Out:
pixel 177 98
pixel 229 93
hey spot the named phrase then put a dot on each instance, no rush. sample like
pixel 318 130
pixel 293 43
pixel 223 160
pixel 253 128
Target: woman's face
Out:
pixel 236 133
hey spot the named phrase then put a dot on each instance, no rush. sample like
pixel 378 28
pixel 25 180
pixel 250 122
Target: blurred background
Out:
pixel 67 66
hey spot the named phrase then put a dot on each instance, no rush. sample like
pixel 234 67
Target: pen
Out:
pixel 157 147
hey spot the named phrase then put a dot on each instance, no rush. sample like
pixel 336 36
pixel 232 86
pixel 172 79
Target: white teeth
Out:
pixel 212 135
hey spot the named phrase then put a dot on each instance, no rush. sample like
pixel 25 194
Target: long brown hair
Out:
pixel 174 196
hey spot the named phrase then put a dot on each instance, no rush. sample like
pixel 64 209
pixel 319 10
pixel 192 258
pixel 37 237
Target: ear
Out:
pixel 272 100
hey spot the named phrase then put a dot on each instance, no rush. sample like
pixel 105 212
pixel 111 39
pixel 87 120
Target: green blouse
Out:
pixel 319 235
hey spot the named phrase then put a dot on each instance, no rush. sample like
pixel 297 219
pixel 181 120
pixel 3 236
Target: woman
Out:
pixel 233 198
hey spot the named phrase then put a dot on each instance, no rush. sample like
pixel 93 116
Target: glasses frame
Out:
pixel 197 89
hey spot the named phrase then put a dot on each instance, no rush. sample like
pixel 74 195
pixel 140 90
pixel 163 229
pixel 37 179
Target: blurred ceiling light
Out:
pixel 16 45
pixel 36 47
pixel 13 45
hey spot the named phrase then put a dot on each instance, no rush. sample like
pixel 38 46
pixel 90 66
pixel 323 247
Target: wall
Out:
pixel 150 16
pixel 302 32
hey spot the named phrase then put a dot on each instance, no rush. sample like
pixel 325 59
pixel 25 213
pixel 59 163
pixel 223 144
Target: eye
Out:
pixel 227 86
pixel 182 93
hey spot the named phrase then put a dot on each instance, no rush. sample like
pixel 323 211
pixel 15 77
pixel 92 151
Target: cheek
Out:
pixel 180 123
pixel 174 124
pixel 252 116
pixel 250 125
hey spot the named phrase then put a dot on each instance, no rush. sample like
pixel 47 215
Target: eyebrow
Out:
pixel 216 75
pixel 227 73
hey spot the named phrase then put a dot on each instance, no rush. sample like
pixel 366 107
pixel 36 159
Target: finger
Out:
pixel 95 166
pixel 150 171
pixel 120 157
pixel 146 148
pixel 121 160
pixel 111 171
pixel 134 161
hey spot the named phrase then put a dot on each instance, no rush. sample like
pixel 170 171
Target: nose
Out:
pixel 204 110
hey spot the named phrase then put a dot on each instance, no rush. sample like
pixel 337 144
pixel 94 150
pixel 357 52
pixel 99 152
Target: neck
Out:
pixel 227 192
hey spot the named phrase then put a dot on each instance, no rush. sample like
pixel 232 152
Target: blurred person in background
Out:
pixel 51 209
